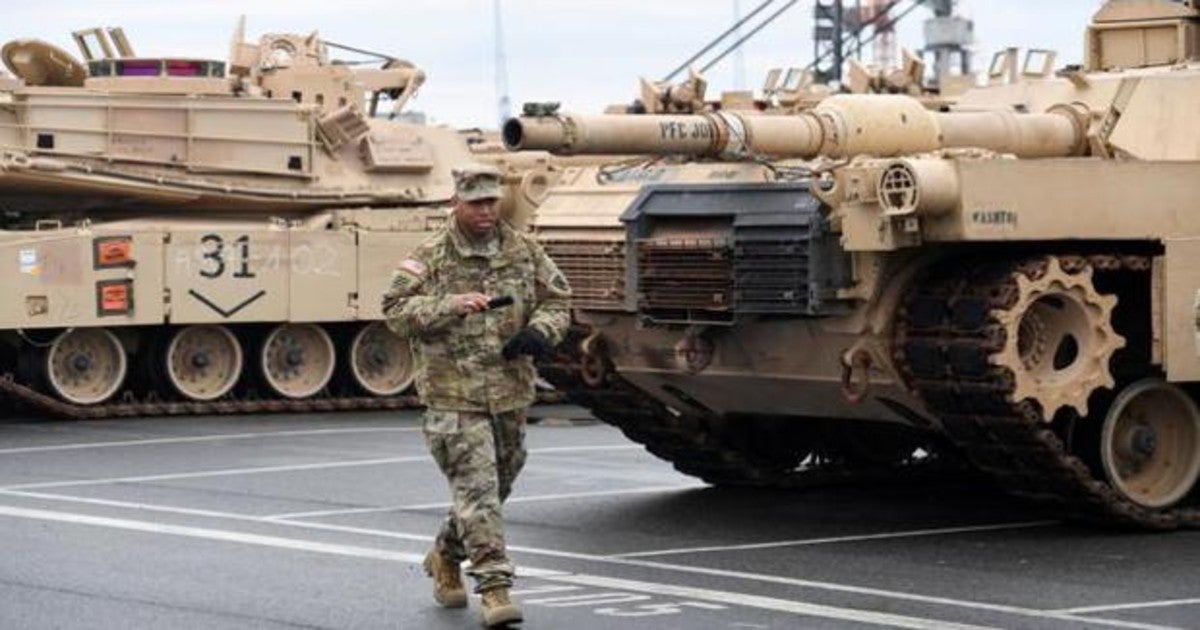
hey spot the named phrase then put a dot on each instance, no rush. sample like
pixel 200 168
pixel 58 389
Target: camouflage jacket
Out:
pixel 458 360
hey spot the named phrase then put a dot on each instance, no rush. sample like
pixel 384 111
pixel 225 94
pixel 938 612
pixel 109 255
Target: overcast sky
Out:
pixel 584 53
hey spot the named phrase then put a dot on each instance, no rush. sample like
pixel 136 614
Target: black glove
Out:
pixel 527 341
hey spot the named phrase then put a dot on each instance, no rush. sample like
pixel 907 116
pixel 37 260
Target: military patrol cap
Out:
pixel 477 181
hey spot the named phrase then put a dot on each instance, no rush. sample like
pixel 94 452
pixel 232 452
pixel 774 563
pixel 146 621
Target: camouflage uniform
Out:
pixel 477 400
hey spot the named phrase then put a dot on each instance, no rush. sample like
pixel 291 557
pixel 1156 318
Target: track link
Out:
pixel 129 407
pixel 944 338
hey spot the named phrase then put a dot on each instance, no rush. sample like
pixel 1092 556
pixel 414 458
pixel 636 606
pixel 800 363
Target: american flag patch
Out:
pixel 415 267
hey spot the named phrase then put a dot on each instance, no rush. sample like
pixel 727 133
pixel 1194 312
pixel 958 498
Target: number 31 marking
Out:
pixel 214 254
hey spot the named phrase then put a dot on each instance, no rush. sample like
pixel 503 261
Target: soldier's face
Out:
pixel 477 218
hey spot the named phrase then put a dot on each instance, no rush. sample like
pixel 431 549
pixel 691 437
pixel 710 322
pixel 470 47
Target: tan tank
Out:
pixel 195 236
pixel 855 286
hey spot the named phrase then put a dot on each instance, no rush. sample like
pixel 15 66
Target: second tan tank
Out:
pixel 867 281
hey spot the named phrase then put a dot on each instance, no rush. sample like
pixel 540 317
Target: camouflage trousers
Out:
pixel 481 455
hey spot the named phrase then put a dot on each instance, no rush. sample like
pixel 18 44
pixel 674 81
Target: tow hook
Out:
pixel 593 367
pixel 856 375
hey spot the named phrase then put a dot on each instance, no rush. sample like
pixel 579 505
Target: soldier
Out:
pixel 475 374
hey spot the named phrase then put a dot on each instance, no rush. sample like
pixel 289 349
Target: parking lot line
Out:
pixel 272 469
pixel 709 595
pixel 543 590
pixel 585 449
pixel 569 495
pixel 769 603
pixel 199 438
pixel 217 473
pixel 943 531
pixel 1132 606
pixel 232 516
pixel 1047 615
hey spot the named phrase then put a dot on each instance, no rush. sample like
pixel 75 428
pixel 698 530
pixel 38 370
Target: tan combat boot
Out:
pixel 498 609
pixel 447 580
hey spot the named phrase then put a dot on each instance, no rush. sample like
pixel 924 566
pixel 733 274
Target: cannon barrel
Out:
pixel 840 126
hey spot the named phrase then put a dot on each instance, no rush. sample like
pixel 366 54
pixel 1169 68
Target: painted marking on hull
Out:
pixel 222 312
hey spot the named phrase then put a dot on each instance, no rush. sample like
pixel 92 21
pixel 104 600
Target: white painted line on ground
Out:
pixel 1045 615
pixel 199 438
pixel 542 590
pixel 269 469
pixel 839 539
pixel 768 603
pixel 721 597
pixel 218 473
pixel 212 534
pixel 856 590
pixel 130 505
pixel 323 513
pixel 1132 606
pixel 566 495
pixel 593 599
pixel 585 449
pixel 147 507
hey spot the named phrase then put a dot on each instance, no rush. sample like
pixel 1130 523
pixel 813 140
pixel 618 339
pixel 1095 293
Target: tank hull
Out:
pixel 778 368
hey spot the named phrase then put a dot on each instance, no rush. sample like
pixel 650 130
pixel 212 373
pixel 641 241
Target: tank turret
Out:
pixel 281 126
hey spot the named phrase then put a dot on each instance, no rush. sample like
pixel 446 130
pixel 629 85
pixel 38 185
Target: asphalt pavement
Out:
pixel 321 521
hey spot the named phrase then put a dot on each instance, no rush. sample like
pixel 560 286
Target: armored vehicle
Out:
pixel 1012 277
pixel 186 235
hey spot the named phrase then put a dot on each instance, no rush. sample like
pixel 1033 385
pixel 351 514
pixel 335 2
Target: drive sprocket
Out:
pixel 1059 335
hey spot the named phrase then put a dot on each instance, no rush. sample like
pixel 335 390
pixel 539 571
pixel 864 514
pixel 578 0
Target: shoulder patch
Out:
pixel 413 266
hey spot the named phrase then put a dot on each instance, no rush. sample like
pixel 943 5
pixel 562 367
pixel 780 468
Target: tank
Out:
pixel 185 235
pixel 870 285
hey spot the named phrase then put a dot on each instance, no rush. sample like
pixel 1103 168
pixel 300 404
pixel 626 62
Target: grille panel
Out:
pixel 685 274
pixel 595 269
pixel 772 276
pixel 709 253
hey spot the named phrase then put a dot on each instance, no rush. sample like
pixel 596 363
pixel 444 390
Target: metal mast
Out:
pixel 503 102
pixel 947 39
pixel 739 57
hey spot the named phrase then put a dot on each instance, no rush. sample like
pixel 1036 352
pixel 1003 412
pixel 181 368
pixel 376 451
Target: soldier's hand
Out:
pixel 465 303
pixel 528 341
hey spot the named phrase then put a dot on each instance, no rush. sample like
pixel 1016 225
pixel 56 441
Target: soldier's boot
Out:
pixel 448 587
pixel 498 609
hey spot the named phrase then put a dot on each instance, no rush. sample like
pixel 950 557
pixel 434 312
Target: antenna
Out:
pixel 739 57
pixel 503 102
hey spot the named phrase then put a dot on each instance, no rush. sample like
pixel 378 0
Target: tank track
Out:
pixel 945 334
pixel 129 406
pixel 690 444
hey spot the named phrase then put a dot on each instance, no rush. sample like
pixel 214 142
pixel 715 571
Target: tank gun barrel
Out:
pixel 840 126
pixel 699 135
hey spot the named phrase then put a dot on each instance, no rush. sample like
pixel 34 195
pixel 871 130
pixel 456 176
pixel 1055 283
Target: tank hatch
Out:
pixel 703 253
